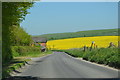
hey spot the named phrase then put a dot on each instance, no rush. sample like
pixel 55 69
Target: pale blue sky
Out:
pixel 58 17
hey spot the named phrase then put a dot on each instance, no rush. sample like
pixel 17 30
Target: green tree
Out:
pixel 12 14
pixel 19 37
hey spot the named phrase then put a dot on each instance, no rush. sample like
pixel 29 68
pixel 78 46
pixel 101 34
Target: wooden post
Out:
pixel 92 45
pixel 84 48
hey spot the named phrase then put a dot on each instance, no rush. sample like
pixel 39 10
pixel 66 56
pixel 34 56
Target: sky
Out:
pixel 79 0
pixel 59 17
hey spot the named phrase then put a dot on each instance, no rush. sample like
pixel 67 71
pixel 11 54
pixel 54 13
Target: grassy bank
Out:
pixel 107 56
pixel 21 55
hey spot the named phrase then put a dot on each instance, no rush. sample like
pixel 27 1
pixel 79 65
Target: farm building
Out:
pixel 40 41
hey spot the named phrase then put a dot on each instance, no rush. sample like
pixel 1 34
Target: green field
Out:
pixel 104 32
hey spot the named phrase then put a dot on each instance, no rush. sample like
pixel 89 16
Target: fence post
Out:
pixel 92 45
pixel 84 48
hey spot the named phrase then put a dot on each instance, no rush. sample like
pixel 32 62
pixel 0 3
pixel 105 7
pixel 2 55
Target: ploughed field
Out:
pixel 99 41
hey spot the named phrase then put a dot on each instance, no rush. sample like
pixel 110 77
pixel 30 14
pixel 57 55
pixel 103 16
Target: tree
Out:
pixel 12 14
pixel 19 37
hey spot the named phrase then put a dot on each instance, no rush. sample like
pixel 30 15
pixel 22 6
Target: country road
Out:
pixel 61 65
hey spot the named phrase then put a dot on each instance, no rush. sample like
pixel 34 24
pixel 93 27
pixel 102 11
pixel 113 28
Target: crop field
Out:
pixel 100 41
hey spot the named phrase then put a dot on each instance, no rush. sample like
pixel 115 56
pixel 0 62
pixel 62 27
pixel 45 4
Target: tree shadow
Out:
pixel 39 61
pixel 27 63
pixel 16 71
pixel 21 78
pixel 13 62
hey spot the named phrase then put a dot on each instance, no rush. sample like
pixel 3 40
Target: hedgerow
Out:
pixel 24 50
pixel 107 56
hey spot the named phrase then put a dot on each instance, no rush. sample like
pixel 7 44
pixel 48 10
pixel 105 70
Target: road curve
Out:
pixel 61 65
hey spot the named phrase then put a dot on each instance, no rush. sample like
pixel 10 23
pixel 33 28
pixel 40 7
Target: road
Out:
pixel 61 65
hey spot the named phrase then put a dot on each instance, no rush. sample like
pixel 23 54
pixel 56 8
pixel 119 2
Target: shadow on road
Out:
pixel 37 78
pixel 16 71
pixel 22 78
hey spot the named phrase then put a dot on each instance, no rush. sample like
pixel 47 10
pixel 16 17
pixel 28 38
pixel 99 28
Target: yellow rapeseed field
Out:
pixel 100 41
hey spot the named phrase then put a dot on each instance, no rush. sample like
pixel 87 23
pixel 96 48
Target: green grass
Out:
pixel 35 54
pixel 90 33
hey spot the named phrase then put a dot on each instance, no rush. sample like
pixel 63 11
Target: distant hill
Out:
pixel 89 33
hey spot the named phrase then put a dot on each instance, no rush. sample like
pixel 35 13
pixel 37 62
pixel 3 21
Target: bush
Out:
pixel 74 52
pixel 24 50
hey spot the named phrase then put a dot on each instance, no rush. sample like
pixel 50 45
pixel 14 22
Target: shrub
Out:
pixel 24 50
pixel 74 52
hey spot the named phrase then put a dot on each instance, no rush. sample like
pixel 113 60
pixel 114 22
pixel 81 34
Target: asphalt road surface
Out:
pixel 61 65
